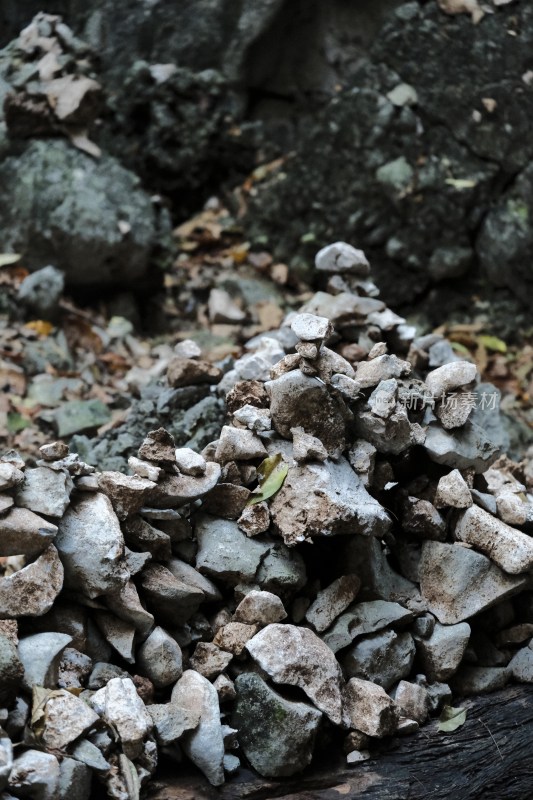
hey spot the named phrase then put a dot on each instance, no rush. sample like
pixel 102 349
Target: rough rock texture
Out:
pixel 276 735
pixel 298 657
pixel 67 212
pixel 91 546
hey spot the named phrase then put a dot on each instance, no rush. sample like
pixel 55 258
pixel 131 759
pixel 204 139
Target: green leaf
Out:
pixel 460 348
pixel 16 422
pixel 492 343
pixel 272 472
pixel 9 258
pixel 451 719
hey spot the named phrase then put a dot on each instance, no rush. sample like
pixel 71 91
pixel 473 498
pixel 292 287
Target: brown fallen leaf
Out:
pixel 471 7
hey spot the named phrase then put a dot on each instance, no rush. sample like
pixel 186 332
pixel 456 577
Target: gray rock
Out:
pixel 282 571
pixel 260 608
pixel 172 600
pixel 421 519
pixel 457 582
pixel 204 745
pixel 102 674
pixel 412 699
pixel 209 660
pixel 87 753
pixel 277 735
pixel 332 601
pixel 365 618
pixel 128 493
pixel 521 665
pixel 384 658
pixel 120 706
pixel 233 636
pixel 189 462
pixel 368 708
pixel 45 491
pixel 299 401
pixel 83 200
pixel 466 448
pixel 478 680
pixel 11 669
pixel 35 774
pixel 76 416
pixel 40 655
pixel 225 552
pixel 53 451
pixel 452 490
pixel 184 572
pixel 10 476
pixel 508 548
pixel 450 377
pixel 24 533
pixel 91 546
pixel 171 721
pixel 75 780
pixel 334 499
pixel 342 257
pixel 41 292
pixel 296 656
pixel 256 419
pixel 441 653
pixel 383 368
pixel 118 633
pixel 238 444
pixel 32 590
pixel 365 556
pixel 255 519
pixel 127 606
pixel 177 490
pixel 160 659
pixel 66 718
pixel 6 761
pixel 310 328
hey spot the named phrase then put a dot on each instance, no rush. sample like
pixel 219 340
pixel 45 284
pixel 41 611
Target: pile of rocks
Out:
pixel 181 611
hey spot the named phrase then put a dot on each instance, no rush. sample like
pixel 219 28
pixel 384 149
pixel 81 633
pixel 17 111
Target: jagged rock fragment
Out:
pixel 276 735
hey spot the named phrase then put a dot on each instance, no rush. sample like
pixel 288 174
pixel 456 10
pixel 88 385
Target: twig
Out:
pixel 492 737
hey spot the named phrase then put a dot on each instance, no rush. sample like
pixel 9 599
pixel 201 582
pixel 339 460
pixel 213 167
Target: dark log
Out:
pixel 489 758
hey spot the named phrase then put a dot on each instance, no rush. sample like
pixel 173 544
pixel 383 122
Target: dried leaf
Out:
pixel 451 719
pixel 40 326
pixel 9 258
pixel 272 472
pixel 493 344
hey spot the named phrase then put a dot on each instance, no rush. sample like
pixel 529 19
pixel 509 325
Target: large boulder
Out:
pixel 88 217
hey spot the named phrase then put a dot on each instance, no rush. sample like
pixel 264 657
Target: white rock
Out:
pixel 450 377
pixel 310 328
pixel 256 419
pixel 296 656
pixel 127 605
pixel 120 706
pixel 382 368
pixel 66 718
pixel 369 709
pixel 204 745
pixel 222 309
pixel 187 349
pixel 91 546
pixel 238 444
pixel 260 608
pixel 144 469
pixel 332 601
pixel 189 462
pixel 512 509
pixel 508 548
pixel 364 618
pixel 225 552
pixel 452 490
pixel 382 401
pixel 342 257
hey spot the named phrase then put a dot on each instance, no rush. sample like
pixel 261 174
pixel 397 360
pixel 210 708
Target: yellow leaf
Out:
pixel 40 326
pixel 492 343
